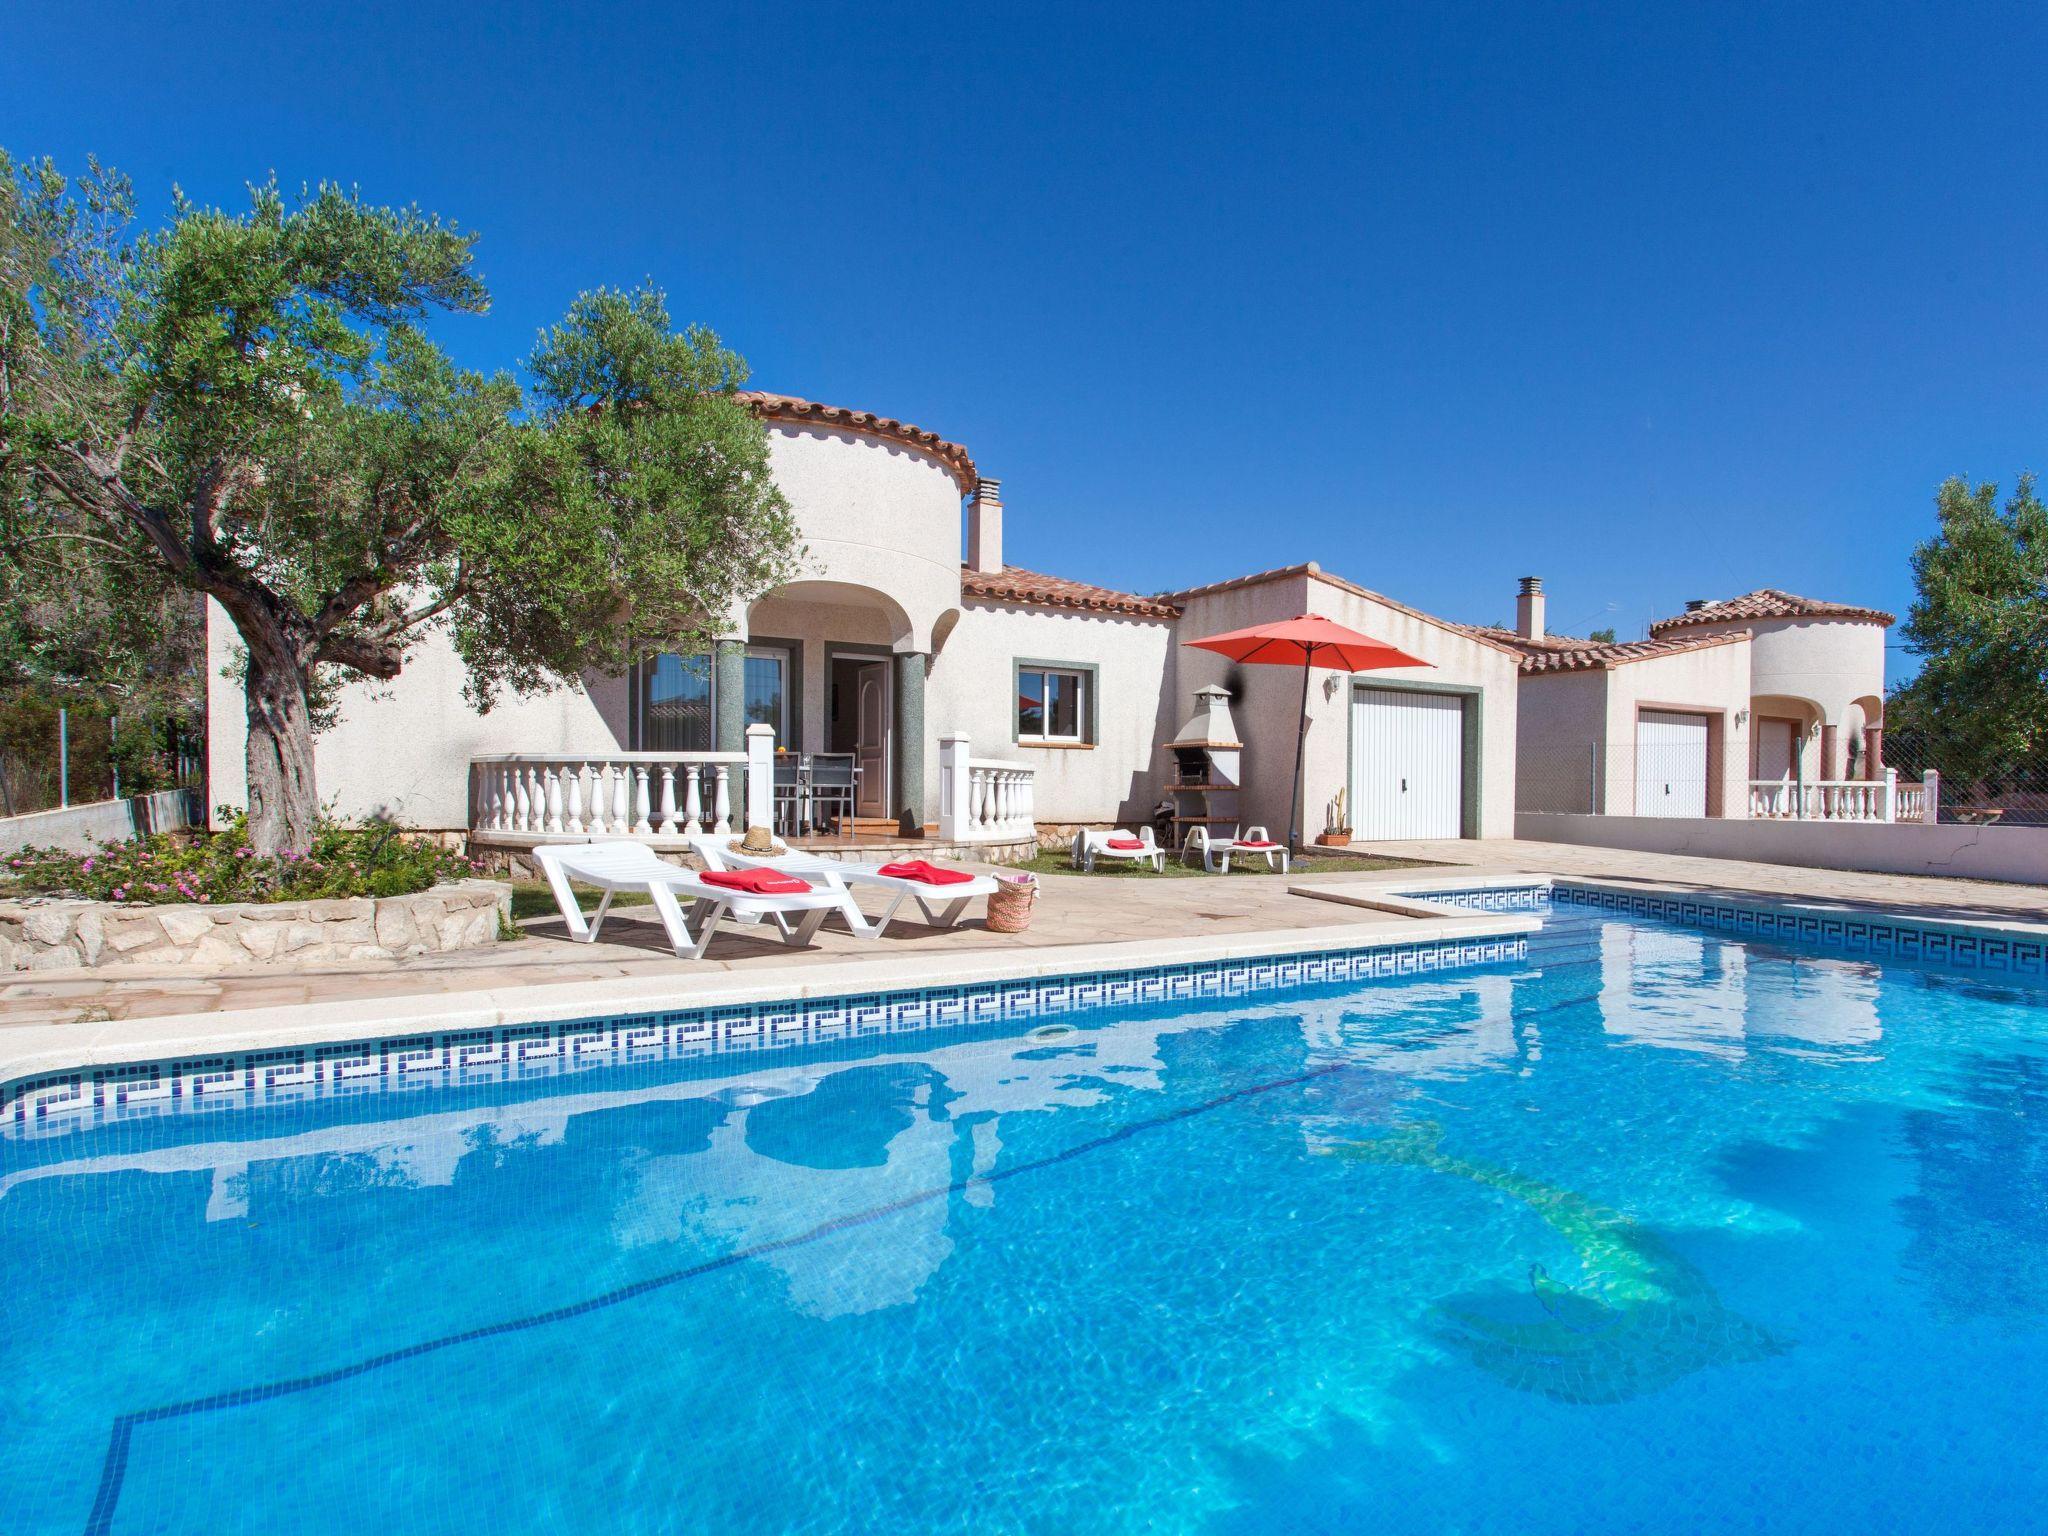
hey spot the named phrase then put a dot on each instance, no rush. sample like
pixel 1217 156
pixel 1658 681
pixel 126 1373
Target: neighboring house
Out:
pixel 907 630
pixel 1733 708
pixel 1816 681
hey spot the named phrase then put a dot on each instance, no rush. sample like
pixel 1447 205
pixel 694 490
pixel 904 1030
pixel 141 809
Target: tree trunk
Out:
pixel 282 796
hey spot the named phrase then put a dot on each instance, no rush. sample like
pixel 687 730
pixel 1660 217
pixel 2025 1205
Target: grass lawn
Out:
pixel 1057 861
pixel 532 898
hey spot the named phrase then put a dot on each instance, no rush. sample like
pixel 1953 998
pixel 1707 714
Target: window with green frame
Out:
pixel 1053 703
pixel 676 697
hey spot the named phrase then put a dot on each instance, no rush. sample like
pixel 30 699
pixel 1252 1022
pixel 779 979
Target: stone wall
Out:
pixel 72 935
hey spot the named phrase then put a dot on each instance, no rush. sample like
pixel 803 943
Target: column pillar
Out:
pixel 908 741
pixel 1830 758
pixel 729 693
pixel 1873 751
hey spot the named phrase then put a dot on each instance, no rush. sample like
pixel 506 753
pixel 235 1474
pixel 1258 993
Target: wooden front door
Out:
pixel 871 743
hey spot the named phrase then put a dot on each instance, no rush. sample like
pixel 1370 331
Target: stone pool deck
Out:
pixel 1081 922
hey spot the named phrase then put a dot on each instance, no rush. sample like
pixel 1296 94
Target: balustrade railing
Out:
pixel 611 794
pixel 1856 800
pixel 984 800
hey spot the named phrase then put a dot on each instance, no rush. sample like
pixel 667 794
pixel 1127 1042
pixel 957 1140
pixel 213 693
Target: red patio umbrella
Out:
pixel 1306 642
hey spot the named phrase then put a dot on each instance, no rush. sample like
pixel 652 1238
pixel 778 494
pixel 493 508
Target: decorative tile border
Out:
pixel 89 1097
pixel 1897 939
pixel 1492 898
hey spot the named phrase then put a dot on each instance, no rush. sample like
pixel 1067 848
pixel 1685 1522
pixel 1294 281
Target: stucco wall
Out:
pixel 1980 853
pixel 1830 663
pixel 1561 746
pixel 874 514
pixel 972 689
pixel 1268 699
pixel 82 827
pixel 404 748
pixel 1713 682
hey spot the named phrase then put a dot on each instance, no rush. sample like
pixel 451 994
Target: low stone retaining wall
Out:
pixel 72 935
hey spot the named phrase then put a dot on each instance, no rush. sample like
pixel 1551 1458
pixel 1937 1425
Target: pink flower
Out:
pixel 243 853
pixel 88 866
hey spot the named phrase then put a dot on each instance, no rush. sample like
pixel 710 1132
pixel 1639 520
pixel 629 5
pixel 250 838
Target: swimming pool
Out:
pixel 1656 1228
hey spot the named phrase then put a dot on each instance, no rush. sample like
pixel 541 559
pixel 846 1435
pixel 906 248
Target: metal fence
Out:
pixel 52 756
pixel 1694 777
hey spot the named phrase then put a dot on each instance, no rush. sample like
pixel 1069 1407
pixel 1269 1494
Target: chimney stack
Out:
pixel 1529 608
pixel 985 528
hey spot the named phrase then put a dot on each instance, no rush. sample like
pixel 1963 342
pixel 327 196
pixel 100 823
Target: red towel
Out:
pixel 757 882
pixel 1256 842
pixel 1124 843
pixel 925 872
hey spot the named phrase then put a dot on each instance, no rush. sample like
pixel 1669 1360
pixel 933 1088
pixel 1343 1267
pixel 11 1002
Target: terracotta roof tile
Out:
pixel 1505 636
pixel 772 407
pixel 1012 584
pixel 1605 656
pixel 1769 603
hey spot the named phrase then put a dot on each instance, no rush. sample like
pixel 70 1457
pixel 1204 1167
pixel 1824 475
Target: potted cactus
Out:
pixel 1336 831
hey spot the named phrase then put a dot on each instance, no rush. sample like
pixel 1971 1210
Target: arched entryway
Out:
pixel 1784 739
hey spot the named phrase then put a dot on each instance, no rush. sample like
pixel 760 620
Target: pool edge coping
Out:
pixel 39 1050
pixel 1804 906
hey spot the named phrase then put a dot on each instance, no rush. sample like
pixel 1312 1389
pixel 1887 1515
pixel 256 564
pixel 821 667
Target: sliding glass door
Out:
pixel 676 704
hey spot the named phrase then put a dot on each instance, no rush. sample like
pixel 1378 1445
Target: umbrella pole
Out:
pixel 1300 750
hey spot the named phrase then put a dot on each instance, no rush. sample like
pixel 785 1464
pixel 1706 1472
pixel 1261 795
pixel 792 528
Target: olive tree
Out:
pixel 250 403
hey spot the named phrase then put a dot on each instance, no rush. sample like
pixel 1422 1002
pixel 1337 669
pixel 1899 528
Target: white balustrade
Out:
pixel 984 800
pixel 1849 800
pixel 608 794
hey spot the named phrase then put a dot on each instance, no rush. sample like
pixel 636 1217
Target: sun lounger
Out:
pixel 1217 852
pixel 797 909
pixel 1141 848
pixel 942 893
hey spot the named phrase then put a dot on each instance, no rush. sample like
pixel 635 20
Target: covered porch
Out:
pixel 519 801
pixel 1813 763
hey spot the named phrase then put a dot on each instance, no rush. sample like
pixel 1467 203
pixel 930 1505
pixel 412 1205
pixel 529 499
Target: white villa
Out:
pixel 915 679
pixel 1764 705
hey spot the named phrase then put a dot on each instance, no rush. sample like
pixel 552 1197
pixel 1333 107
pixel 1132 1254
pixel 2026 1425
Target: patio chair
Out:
pixel 942 893
pixel 798 909
pixel 1141 848
pixel 1217 852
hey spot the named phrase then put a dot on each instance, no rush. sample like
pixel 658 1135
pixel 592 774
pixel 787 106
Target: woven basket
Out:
pixel 1009 909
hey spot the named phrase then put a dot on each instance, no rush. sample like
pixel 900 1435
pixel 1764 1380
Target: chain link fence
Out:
pixel 1695 778
pixel 53 755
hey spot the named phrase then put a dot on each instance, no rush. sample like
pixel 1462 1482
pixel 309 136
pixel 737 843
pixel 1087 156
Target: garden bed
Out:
pixel 47 934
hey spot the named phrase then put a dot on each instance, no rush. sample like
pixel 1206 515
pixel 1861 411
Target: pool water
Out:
pixel 1659 1230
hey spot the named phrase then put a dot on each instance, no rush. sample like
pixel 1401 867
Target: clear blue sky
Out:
pixel 1656 302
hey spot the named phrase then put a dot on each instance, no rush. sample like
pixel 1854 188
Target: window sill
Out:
pixel 1040 744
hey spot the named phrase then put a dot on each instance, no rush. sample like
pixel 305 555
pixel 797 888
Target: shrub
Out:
pixel 377 859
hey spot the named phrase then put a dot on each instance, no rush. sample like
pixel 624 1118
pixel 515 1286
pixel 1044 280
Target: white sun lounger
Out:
pixel 943 905
pixel 616 867
pixel 1091 844
pixel 1217 852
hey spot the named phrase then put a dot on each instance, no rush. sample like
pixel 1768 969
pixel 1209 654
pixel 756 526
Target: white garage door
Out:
pixel 1671 764
pixel 1407 764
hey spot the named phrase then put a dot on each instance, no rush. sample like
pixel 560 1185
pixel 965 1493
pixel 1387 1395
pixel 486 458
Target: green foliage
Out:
pixel 1979 707
pixel 247 406
pixel 374 860
pixel 1602 636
